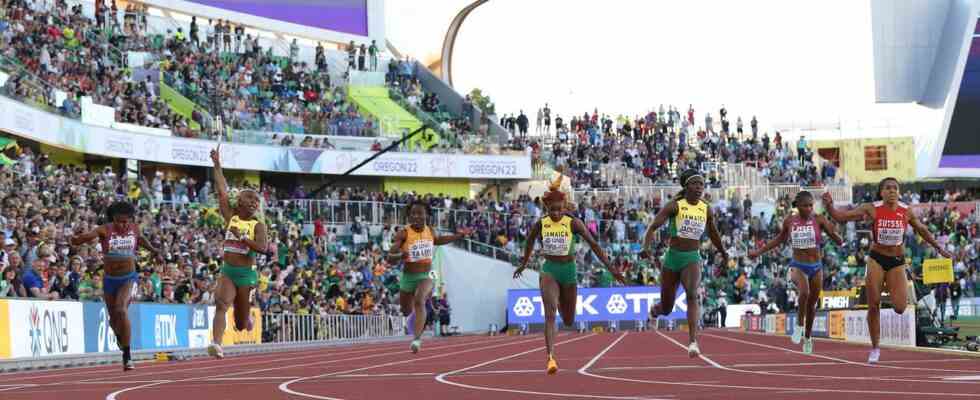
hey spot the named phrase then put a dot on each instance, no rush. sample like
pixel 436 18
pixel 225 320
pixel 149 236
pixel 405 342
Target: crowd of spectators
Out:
pixel 663 141
pixel 43 204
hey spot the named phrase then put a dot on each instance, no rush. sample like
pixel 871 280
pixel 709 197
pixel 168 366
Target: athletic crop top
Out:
pixel 557 238
pixel 246 229
pixel 804 233
pixel 890 225
pixel 690 221
pixel 418 246
pixel 120 241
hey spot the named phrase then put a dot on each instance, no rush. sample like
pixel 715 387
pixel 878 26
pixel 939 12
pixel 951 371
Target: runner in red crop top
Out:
pixel 890 219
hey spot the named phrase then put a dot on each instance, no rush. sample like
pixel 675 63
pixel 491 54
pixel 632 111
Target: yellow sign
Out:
pixel 837 324
pixel 233 336
pixel 937 270
pixel 780 324
pixel 5 333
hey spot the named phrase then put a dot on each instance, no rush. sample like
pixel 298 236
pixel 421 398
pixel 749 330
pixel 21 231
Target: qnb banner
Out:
pixel 45 328
pixel 595 304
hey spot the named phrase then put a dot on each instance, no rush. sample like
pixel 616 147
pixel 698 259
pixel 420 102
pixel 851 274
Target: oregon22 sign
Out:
pixel 595 304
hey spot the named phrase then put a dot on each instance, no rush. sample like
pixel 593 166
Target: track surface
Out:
pixel 625 365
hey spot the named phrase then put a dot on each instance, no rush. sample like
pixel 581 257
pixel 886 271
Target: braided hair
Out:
pixel 802 195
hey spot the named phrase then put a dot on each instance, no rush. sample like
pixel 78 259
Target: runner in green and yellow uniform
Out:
pixel 688 218
pixel 558 233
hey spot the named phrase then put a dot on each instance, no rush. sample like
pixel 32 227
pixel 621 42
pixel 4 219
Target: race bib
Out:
pixel 890 236
pixel 421 250
pixel 690 229
pixel 555 245
pixel 804 237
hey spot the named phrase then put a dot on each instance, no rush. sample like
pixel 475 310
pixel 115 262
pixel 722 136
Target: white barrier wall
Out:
pixel 734 313
pixel 896 329
pixel 477 288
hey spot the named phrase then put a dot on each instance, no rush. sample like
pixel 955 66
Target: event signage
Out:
pixel 45 328
pixel 595 304
pixel 896 329
pixel 99 336
pixel 161 326
pixel 41 126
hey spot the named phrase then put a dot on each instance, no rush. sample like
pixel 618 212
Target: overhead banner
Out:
pixel 595 304
pixel 45 328
pixel 55 130
pixel 896 329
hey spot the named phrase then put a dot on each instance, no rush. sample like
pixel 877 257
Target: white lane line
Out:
pixel 113 395
pixel 961 378
pixel 838 359
pixel 284 387
pixel 441 378
pixel 583 371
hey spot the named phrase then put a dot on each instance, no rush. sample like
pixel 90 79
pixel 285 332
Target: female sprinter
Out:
pixel 119 239
pixel 891 219
pixel 689 216
pixel 415 246
pixel 558 233
pixel 245 237
pixel 805 232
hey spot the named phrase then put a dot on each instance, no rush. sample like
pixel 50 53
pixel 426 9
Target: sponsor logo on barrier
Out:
pixel 199 319
pixel 48 330
pixel 820 325
pixel 4 330
pixel 836 320
pixel 43 328
pixel 165 331
pixel 107 338
pixel 595 304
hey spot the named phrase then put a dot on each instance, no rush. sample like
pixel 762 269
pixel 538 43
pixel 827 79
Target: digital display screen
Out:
pixel 346 16
pixel 962 147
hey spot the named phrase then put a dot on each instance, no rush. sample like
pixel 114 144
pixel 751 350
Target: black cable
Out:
pixel 369 159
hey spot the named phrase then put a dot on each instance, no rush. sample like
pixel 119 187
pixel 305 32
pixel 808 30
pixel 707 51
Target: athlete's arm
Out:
pixel 776 241
pixel 396 246
pixel 923 231
pixel 668 211
pixel 579 227
pixel 89 236
pixel 529 247
pixel 460 233
pixel 715 236
pixel 221 185
pixel 260 244
pixel 146 245
pixel 830 229
pixel 855 214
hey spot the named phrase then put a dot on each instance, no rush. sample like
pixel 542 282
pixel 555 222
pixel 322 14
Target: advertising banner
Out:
pixel 769 323
pixel 896 329
pixel 820 325
pixel 836 320
pixel 791 323
pixel 781 324
pixel 199 334
pixel 233 336
pixel 595 304
pixel 45 328
pixel 160 326
pixel 51 129
pixel 5 333
pixel 755 323
pixel 734 313
pixel 99 336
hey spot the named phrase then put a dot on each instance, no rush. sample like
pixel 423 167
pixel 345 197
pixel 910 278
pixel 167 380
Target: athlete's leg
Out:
pixel 898 285
pixel 223 297
pixel 815 285
pixel 691 279
pixel 243 308
pixel 874 277
pixel 668 291
pixel 422 293
pixel 803 287
pixel 567 301
pixel 549 299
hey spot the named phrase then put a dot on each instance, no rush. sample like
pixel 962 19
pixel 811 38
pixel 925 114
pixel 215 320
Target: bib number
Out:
pixel 890 236
pixel 690 229
pixel 555 246
pixel 420 251
pixel 804 238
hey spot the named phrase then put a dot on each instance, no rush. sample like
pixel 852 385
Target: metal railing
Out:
pixel 293 328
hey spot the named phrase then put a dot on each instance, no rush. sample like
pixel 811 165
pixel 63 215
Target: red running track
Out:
pixel 627 365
